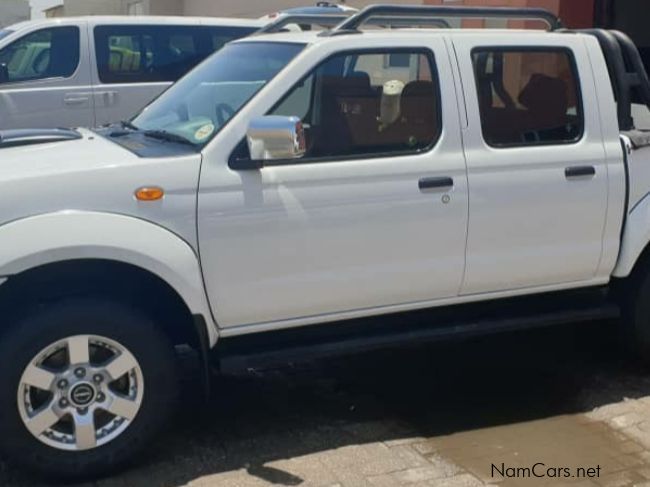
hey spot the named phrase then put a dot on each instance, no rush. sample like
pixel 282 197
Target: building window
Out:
pixel 135 8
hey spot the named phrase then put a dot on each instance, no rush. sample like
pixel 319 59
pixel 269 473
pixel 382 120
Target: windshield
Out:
pixel 203 101
pixel 5 33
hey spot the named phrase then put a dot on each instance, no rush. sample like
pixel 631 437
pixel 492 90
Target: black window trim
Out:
pixel 535 49
pixel 49 78
pixel 236 164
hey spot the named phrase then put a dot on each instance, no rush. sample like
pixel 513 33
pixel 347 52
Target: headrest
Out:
pixel 419 89
pixel 545 94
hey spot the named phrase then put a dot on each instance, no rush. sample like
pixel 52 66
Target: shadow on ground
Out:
pixel 263 416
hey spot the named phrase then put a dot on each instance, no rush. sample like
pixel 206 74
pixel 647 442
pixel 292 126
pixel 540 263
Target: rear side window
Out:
pixel 219 36
pixel 45 53
pixel 365 104
pixel 156 53
pixel 528 97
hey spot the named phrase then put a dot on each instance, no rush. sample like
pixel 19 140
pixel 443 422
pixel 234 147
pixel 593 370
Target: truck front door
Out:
pixel 373 216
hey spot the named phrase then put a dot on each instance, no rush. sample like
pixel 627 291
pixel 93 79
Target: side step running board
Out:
pixel 410 329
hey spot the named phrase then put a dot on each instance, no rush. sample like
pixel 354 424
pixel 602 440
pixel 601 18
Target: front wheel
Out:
pixel 83 387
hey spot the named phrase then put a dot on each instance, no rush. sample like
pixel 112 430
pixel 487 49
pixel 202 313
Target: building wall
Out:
pixel 574 13
pixel 12 11
pixel 93 7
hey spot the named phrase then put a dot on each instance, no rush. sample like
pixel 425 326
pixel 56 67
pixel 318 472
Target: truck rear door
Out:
pixel 537 170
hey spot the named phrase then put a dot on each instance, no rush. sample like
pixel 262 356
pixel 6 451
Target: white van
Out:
pixel 90 71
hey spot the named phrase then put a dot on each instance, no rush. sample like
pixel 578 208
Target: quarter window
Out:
pixel 528 97
pixel 367 103
pixel 46 53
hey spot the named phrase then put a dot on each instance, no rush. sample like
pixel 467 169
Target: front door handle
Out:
pixel 76 99
pixel 443 182
pixel 579 171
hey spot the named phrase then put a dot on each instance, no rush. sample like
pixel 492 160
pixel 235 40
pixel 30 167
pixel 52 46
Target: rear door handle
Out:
pixel 443 182
pixel 579 171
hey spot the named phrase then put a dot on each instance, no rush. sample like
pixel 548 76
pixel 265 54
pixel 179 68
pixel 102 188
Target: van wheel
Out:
pixel 83 387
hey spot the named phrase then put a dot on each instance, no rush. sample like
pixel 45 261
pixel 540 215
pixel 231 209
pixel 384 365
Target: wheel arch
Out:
pixel 635 241
pixel 106 250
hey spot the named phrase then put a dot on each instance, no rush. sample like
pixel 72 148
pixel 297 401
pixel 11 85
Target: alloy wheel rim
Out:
pixel 80 392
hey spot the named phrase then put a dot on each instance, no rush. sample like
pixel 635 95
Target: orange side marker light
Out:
pixel 149 193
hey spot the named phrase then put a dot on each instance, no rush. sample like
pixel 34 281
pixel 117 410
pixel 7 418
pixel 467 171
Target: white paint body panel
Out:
pixel 82 100
pixel 75 199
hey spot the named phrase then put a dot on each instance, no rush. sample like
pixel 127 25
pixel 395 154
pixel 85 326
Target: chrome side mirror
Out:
pixel 274 137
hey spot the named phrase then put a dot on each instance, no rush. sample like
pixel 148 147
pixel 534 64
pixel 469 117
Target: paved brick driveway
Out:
pixel 438 416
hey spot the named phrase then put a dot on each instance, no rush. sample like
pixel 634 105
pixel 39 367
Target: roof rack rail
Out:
pixel 416 11
pixel 332 20
pixel 323 20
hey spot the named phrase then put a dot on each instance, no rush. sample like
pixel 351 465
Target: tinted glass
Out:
pixel 368 104
pixel 46 53
pixel 219 36
pixel 203 101
pixel 161 53
pixel 528 97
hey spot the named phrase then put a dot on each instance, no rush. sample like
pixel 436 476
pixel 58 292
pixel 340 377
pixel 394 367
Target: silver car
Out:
pixel 90 71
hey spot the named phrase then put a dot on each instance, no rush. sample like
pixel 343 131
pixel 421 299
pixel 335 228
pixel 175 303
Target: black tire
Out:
pixel 30 333
pixel 633 294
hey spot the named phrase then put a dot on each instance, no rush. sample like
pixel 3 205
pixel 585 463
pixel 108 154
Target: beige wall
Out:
pixel 166 7
pixel 12 11
pixel 92 7
pixel 257 8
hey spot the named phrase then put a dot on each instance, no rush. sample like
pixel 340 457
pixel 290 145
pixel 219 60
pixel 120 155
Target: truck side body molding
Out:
pixel 55 237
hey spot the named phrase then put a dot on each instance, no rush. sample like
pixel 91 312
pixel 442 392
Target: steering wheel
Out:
pixel 223 112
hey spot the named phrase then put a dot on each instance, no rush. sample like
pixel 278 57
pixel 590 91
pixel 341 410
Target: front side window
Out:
pixel 202 102
pixel 528 97
pixel 368 103
pixel 46 53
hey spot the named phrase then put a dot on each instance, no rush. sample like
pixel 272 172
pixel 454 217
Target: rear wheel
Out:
pixel 84 386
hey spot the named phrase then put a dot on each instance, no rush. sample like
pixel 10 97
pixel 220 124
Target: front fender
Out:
pixel 54 237
pixel 636 237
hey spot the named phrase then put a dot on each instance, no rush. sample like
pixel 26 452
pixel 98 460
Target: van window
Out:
pixel 162 53
pixel 368 104
pixel 45 53
pixel 222 35
pixel 528 97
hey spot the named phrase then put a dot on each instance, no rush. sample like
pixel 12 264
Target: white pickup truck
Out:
pixel 295 184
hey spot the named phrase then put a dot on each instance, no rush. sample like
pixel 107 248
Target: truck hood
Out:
pixel 54 155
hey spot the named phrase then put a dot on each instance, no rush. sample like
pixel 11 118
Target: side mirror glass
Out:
pixel 274 137
pixel 4 73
